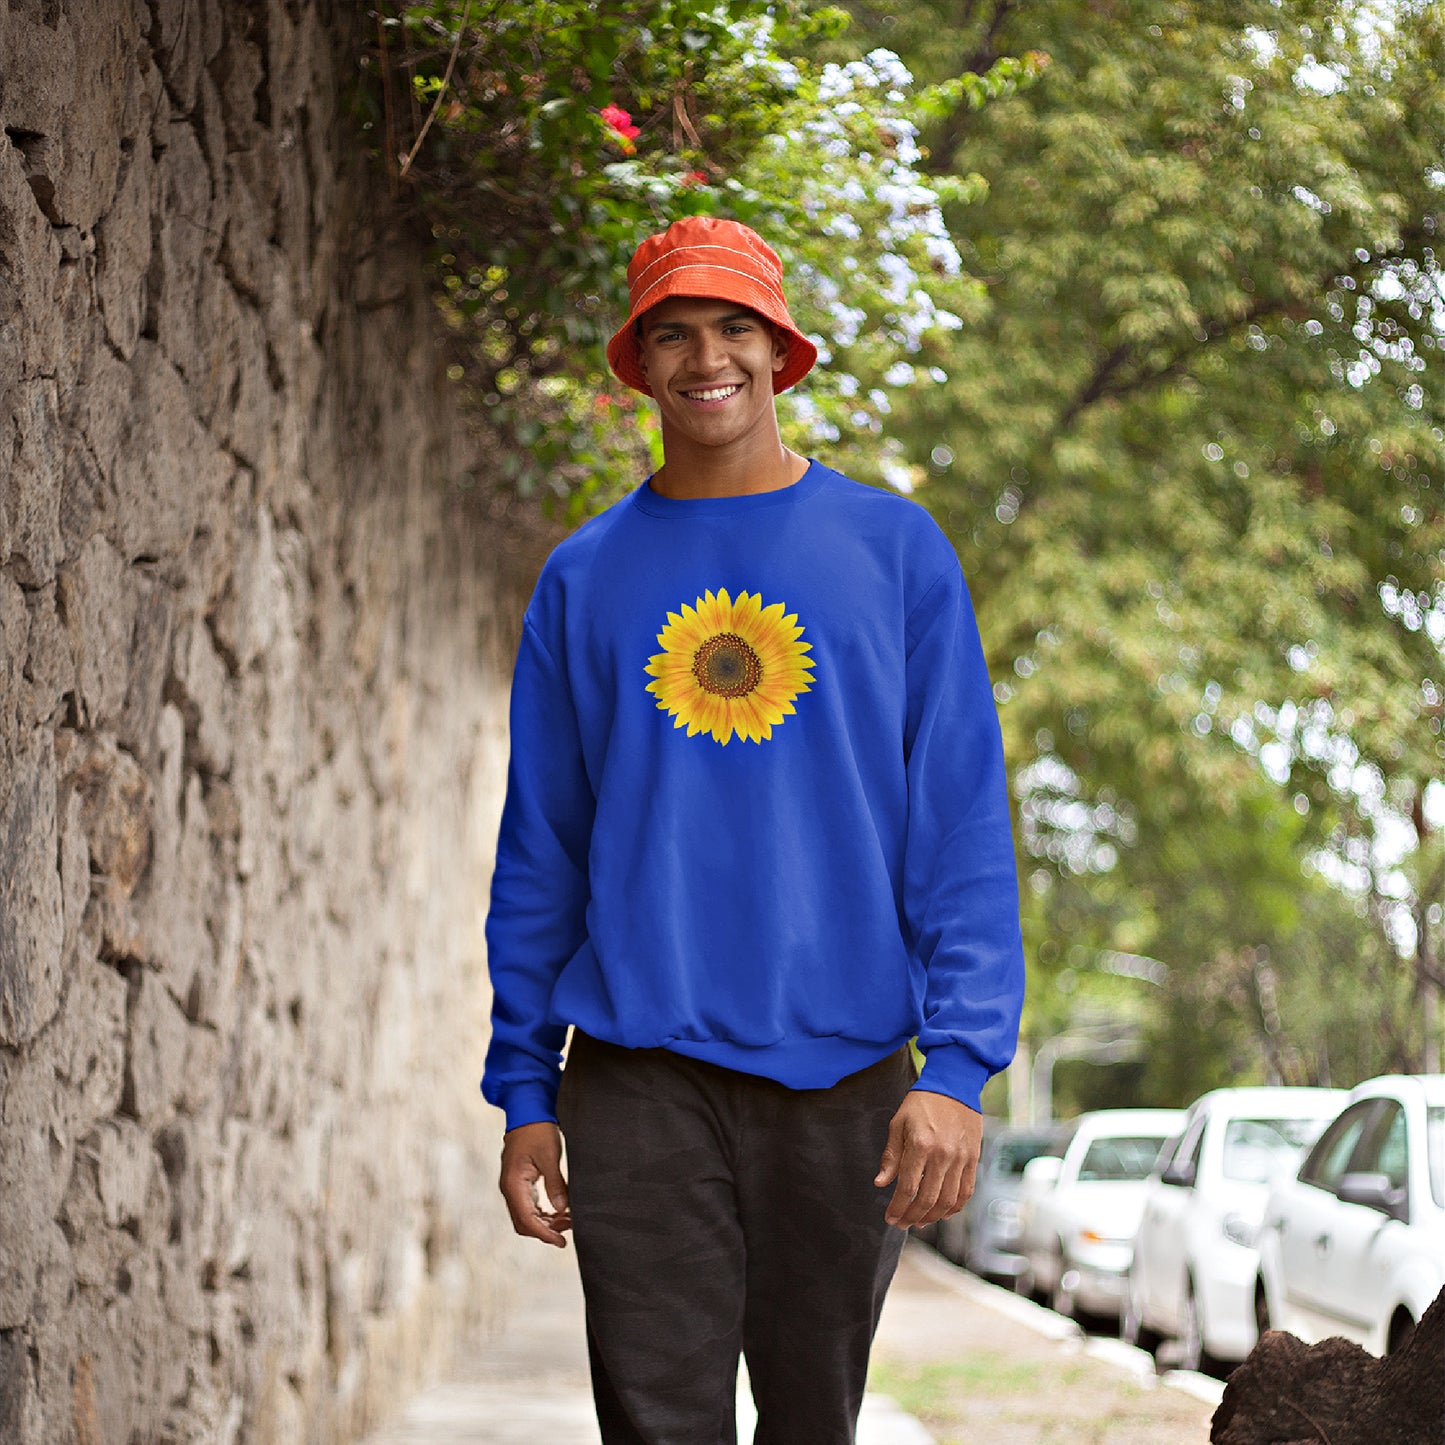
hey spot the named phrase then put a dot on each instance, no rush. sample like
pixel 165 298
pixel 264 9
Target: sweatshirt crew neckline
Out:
pixel 656 505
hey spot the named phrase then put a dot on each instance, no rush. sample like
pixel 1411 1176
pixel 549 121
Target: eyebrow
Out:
pixel 723 320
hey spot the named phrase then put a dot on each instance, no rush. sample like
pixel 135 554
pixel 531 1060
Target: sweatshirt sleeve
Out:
pixel 537 919
pixel 960 876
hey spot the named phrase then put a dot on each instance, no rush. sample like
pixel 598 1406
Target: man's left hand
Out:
pixel 932 1153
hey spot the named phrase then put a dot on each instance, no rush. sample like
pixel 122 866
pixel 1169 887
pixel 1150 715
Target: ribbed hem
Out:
pixel 801 1063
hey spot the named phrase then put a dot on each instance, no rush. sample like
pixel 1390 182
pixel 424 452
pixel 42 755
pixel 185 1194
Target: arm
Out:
pixel 537 919
pixel 961 904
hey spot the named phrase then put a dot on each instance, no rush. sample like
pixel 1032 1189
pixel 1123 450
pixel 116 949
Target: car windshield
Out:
pixel 1123 1158
pixel 1435 1133
pixel 1011 1155
pixel 1255 1150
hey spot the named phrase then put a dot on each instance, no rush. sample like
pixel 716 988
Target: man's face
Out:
pixel 710 365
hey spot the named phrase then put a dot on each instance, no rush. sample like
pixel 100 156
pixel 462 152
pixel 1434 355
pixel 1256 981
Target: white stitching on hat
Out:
pixel 699 246
pixel 710 266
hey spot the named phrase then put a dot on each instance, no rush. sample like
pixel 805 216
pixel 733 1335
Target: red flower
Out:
pixel 695 178
pixel 620 124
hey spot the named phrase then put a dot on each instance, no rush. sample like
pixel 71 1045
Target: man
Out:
pixel 756 838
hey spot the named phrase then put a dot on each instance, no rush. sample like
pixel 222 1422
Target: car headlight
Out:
pixel 1239 1230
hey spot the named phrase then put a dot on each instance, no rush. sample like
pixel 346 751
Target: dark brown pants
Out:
pixel 718 1213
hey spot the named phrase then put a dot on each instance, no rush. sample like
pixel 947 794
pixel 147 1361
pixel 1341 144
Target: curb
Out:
pixel 1045 1322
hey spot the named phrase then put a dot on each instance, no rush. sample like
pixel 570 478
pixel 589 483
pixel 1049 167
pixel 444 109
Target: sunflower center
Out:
pixel 726 666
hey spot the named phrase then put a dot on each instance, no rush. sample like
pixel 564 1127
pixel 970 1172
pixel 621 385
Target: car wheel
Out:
pixel 1028 1283
pixel 1261 1309
pixel 1027 1286
pixel 1401 1328
pixel 1132 1329
pixel 1192 1354
pixel 1061 1297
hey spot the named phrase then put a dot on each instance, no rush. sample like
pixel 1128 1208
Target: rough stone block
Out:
pixel 123 247
pixel 213 998
pixel 83 54
pixel 246 253
pixel 54 1318
pixel 244 82
pixel 99 412
pixel 237 397
pixel 156 1057
pixel 21 1418
pixel 98 602
pixel 14 634
pixel 90 1043
pixel 150 649
pixel 211 131
pixel 205 691
pixel 82 493
pixel 245 618
pixel 169 474
pixel 45 56
pixel 29 1189
pixel 32 256
pixel 75 302
pixel 185 1301
pixel 33 931
pixel 74 874
pixel 125 1161
pixel 30 488
pixel 187 244
pixel 49 663
pixel 179 44
pixel 115 798
pixel 182 883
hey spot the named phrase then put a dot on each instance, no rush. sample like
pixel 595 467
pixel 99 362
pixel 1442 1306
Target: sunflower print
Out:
pixel 730 666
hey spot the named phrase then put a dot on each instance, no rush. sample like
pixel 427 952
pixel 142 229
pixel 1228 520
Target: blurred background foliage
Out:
pixel 1143 301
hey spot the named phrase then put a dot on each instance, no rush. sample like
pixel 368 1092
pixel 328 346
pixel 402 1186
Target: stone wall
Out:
pixel 253 651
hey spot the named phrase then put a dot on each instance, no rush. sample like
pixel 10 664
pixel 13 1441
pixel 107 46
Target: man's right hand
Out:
pixel 532 1156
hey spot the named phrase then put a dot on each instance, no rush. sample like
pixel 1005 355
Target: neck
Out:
pixel 764 464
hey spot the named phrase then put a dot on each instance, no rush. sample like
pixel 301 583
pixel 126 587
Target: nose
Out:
pixel 708 352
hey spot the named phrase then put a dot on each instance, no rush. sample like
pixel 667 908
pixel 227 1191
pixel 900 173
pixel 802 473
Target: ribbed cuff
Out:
pixel 950 1069
pixel 530 1104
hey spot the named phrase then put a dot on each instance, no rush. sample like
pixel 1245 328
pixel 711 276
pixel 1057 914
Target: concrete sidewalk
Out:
pixel 531 1383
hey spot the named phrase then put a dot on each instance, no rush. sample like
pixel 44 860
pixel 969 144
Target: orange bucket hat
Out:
pixel 715 260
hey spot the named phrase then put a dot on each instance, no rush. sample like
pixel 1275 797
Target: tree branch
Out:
pixel 980 62
pixel 441 91
pixel 1104 383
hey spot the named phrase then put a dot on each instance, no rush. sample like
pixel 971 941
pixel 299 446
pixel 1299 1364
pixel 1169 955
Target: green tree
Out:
pixel 1190 451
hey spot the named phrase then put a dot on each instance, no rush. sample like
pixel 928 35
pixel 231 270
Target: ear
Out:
pixel 782 346
pixel 638 333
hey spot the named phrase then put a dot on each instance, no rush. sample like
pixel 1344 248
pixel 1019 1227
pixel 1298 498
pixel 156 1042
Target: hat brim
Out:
pixel 711 283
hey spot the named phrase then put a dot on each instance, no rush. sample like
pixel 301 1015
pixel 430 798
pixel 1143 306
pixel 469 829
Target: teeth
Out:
pixel 716 393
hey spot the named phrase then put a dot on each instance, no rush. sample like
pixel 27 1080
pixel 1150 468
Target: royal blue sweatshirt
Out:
pixel 756 810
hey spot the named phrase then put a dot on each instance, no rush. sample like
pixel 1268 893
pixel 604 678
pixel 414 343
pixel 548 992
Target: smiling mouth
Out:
pixel 714 393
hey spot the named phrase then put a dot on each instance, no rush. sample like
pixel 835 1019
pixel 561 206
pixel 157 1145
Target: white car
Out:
pixel 1355 1244
pixel 1079 1212
pixel 1195 1263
